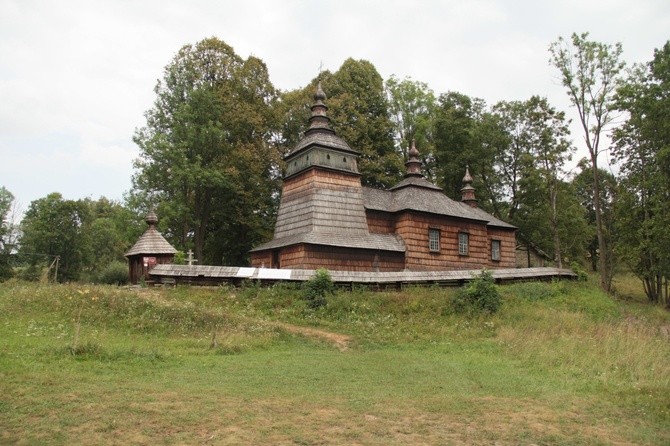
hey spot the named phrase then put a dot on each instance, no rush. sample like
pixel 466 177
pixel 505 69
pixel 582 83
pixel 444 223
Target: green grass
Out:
pixel 560 363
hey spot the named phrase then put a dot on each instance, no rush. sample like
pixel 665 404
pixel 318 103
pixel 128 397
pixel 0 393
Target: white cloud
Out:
pixel 76 76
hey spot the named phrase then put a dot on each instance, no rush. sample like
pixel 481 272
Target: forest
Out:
pixel 212 146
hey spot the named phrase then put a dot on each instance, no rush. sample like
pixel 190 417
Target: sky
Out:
pixel 76 77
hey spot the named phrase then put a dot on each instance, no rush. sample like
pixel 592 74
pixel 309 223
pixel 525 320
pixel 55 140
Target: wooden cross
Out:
pixel 190 258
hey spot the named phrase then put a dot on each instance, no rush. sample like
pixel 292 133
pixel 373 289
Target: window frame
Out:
pixel 495 254
pixel 463 247
pixel 432 242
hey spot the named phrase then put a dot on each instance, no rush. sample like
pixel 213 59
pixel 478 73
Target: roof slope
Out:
pixel 380 242
pixel 151 242
pixel 323 210
pixel 423 199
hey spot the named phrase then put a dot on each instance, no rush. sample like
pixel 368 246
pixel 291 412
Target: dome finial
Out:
pixel 467 191
pixel 413 164
pixel 467 178
pixel 151 219
pixel 319 95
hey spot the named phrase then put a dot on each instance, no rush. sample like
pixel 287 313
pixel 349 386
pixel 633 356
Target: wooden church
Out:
pixel 327 219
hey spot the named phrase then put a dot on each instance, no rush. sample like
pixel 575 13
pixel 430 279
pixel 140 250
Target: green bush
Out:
pixel 481 295
pixel 316 289
pixel 577 268
pixel 116 273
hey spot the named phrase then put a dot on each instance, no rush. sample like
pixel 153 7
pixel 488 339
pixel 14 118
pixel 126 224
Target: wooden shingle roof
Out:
pixel 151 242
pixel 424 199
pixel 322 210
pixel 380 242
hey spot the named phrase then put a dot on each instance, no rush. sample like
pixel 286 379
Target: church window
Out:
pixel 434 240
pixel 463 242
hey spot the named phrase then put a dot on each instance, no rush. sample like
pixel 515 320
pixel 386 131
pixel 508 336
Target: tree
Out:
pixel 458 142
pixel 590 72
pixel 412 112
pixel 8 233
pixel 582 184
pixel 53 227
pixel 360 115
pixel 642 144
pixel 206 145
pixel 531 170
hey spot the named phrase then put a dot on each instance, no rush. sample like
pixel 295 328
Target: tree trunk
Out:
pixel 553 192
pixel 603 265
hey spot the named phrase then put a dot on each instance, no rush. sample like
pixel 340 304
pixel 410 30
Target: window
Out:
pixel 495 250
pixel 463 241
pixel 434 240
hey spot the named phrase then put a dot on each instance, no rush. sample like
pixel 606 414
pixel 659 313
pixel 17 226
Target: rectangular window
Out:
pixel 495 250
pixel 434 240
pixel 463 241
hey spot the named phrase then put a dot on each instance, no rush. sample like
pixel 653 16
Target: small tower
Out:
pixel 467 191
pixel 150 250
pixel 414 163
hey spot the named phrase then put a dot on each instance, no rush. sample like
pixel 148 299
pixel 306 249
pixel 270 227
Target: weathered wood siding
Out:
pixel 380 222
pixel 528 258
pixel 507 239
pixel 304 256
pixel 136 269
pixel 321 200
pixel 413 228
pixel 261 259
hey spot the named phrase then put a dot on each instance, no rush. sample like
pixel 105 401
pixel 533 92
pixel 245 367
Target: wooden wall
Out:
pixel 413 228
pixel 507 239
pixel 380 222
pixel 318 178
pixel 137 270
pixel 261 259
pixel 304 256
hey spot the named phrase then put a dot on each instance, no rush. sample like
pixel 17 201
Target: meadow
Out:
pixel 559 363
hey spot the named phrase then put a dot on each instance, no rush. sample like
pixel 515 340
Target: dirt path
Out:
pixel 339 340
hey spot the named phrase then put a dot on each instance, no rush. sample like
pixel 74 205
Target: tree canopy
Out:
pixel 211 164
pixel 205 159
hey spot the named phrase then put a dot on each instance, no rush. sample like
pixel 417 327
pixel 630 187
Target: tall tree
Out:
pixel 54 227
pixel 212 116
pixel 412 111
pixel 8 233
pixel 359 113
pixel 642 145
pixel 582 184
pixel 531 169
pixel 457 143
pixel 590 72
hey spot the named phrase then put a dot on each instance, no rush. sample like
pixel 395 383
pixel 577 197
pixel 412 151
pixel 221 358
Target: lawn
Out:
pixel 560 363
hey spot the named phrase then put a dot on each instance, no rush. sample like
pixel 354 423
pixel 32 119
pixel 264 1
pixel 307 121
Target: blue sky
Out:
pixel 77 76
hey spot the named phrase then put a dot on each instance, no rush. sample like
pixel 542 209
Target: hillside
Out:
pixel 560 363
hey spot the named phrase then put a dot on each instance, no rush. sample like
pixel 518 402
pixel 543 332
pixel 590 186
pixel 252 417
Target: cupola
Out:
pixel 468 191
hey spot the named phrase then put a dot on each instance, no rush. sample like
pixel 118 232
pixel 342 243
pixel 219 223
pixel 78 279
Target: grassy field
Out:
pixel 559 364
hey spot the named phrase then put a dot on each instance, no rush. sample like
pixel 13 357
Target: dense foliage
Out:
pixel 211 160
pixel 642 146
pixel 481 295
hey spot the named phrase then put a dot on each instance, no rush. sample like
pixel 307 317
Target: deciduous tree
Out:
pixel 590 72
pixel 8 233
pixel 212 116
pixel 54 227
pixel 642 144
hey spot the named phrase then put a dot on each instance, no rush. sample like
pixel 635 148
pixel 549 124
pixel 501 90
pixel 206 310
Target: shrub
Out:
pixel 316 288
pixel 481 295
pixel 577 268
pixel 116 273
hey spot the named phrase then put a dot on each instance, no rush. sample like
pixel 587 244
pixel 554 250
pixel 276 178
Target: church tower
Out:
pixel 321 222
